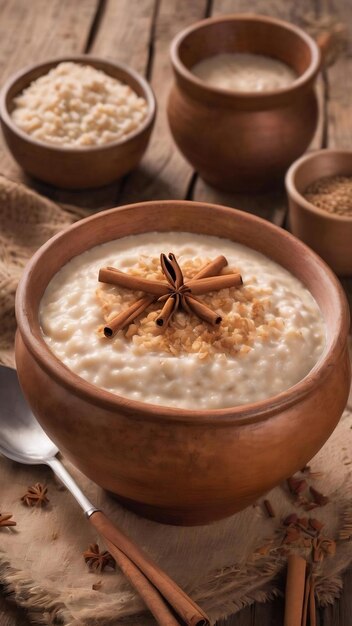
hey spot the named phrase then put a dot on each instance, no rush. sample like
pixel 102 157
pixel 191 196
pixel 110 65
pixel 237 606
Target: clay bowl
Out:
pixel 183 466
pixel 328 234
pixel 243 141
pixel 76 168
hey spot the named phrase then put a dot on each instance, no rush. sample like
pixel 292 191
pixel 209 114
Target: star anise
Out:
pixel 36 495
pixel 6 520
pixel 97 561
pixel 174 294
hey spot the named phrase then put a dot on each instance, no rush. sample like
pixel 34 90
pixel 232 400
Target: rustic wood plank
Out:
pixel 125 32
pixel 163 172
pixel 272 205
pixel 339 78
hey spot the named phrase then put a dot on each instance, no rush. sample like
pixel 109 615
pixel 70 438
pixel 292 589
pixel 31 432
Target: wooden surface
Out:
pixel 139 32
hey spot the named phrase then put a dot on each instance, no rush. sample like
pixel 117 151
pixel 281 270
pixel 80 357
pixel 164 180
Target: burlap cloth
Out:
pixel 224 566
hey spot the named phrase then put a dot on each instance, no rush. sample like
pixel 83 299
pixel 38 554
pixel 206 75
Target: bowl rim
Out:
pixel 86 59
pixel 298 198
pixel 188 76
pixel 241 414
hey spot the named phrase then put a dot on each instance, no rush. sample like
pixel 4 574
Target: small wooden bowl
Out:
pixel 328 234
pixel 176 465
pixel 243 141
pixel 76 168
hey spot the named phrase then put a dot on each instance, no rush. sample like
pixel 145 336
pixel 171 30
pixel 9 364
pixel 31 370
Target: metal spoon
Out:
pixel 23 440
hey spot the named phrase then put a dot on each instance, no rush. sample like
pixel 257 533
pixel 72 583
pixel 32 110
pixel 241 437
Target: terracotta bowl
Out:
pixel 76 168
pixel 328 234
pixel 183 466
pixel 243 141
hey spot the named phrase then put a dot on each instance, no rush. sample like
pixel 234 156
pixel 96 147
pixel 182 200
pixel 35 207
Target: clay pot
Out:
pixel 330 235
pixel 176 465
pixel 76 168
pixel 243 141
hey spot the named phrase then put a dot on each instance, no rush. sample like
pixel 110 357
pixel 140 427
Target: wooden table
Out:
pixel 138 32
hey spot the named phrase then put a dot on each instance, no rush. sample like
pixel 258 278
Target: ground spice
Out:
pixel 332 194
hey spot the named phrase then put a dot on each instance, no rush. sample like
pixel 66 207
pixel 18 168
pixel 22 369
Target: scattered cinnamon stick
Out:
pixel 182 604
pixel 269 508
pixel 214 283
pixel 295 585
pixel 112 276
pixel 150 595
pixel 211 269
pixel 203 311
pixel 312 611
pixel 306 600
pixel 126 317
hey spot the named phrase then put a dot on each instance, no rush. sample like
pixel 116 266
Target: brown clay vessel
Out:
pixel 76 168
pixel 243 141
pixel 183 466
pixel 330 235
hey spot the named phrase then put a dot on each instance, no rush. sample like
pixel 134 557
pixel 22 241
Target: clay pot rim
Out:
pixel 86 59
pixel 242 414
pixel 259 97
pixel 292 191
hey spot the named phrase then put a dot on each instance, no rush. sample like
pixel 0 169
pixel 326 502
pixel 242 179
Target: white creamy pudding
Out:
pixel 271 335
pixel 244 72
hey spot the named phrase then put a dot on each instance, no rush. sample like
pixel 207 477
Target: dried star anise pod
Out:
pixel 6 520
pixel 36 495
pixel 97 561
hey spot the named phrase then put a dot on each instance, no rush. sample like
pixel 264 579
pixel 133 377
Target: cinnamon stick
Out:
pixel 166 312
pixel 203 311
pixel 269 508
pixel 306 600
pixel 112 276
pixel 312 611
pixel 150 595
pixel 214 283
pixel 184 606
pixel 126 317
pixel 295 584
pixel 211 269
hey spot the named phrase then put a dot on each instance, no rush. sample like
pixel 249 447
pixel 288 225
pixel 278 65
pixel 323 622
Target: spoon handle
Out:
pixel 66 478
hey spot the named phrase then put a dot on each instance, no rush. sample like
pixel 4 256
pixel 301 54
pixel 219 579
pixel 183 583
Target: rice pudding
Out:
pixel 244 72
pixel 76 106
pixel 271 335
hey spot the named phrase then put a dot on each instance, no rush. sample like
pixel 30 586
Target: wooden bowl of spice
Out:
pixel 77 122
pixel 319 189
pixel 243 106
pixel 191 405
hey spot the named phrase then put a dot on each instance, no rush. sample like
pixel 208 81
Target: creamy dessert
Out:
pixel 76 105
pixel 244 72
pixel 262 336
